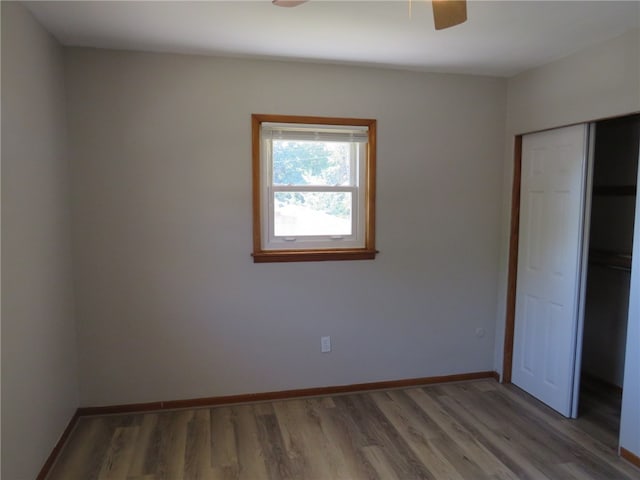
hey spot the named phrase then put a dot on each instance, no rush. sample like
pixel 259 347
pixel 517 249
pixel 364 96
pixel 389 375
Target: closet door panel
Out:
pixel 549 259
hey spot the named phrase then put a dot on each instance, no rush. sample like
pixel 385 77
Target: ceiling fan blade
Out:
pixel 449 13
pixel 288 3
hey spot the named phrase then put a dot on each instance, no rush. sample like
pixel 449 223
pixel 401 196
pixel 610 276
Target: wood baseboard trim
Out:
pixel 630 457
pixel 283 395
pixel 44 471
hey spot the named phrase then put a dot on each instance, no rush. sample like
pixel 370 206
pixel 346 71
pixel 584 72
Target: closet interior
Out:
pixel 613 200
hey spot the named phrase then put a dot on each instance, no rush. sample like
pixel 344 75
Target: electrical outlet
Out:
pixel 325 344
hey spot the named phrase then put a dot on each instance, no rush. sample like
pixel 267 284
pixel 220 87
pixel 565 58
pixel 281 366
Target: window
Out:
pixel 313 188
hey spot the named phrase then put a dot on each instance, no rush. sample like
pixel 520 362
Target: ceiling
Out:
pixel 500 38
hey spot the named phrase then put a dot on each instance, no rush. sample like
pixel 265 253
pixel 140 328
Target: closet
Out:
pixel 613 200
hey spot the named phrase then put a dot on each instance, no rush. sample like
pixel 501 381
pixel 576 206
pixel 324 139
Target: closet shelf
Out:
pixel 616 260
pixel 614 190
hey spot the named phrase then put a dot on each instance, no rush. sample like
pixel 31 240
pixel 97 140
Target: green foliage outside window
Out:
pixel 313 163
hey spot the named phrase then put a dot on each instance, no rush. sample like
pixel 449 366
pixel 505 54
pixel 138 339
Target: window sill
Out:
pixel 312 255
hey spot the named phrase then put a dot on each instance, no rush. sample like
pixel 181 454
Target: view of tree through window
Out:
pixel 310 163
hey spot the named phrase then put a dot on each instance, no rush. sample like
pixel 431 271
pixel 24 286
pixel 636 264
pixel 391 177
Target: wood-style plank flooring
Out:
pixel 471 430
pixel 599 410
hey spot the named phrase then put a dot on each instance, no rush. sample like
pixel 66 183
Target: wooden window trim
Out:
pixel 313 255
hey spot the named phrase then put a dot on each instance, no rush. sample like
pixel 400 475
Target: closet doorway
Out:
pixel 596 345
pixel 608 274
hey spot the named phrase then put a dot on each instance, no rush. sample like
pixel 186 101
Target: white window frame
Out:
pixel 360 133
pixel 357 158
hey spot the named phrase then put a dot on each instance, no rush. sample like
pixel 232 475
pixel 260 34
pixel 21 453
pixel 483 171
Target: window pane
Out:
pixel 311 163
pixel 312 213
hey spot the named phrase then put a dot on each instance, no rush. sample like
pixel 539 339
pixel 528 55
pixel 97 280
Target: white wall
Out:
pixel 630 425
pixel 599 82
pixel 39 377
pixel 170 304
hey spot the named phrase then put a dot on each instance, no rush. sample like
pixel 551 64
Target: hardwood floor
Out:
pixel 471 430
pixel 599 410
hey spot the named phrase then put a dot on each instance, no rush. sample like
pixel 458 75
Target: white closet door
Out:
pixel 549 260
